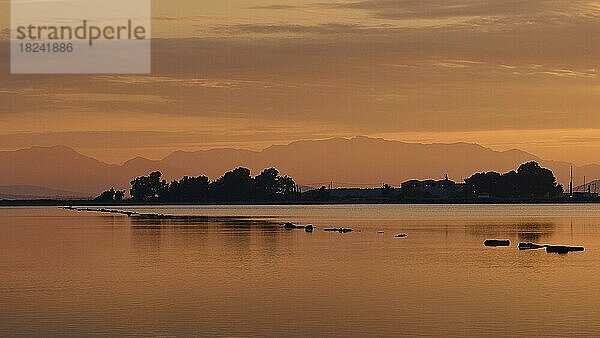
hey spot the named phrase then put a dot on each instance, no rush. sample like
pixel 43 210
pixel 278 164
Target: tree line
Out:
pixel 529 181
pixel 234 186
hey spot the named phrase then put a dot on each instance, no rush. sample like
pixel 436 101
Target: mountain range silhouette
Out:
pixel 353 162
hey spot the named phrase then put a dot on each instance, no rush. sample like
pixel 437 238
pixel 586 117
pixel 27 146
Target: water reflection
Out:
pixel 197 220
pixel 79 274
pixel 146 239
pixel 523 231
pixel 535 232
pixel 234 235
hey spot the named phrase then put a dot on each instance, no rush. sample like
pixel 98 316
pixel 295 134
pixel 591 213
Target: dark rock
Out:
pixel 289 226
pixel 292 226
pixel 563 249
pixel 530 246
pixel 340 230
pixel 497 242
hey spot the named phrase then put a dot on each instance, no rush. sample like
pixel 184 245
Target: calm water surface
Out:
pixel 80 274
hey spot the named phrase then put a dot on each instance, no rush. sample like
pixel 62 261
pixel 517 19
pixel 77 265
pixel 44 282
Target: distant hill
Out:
pixel 594 186
pixel 355 162
pixel 363 162
pixel 22 192
pixel 62 168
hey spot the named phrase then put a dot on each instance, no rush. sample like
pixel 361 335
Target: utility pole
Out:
pixel 571 184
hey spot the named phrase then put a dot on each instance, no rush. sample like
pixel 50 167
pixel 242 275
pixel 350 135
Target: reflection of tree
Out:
pixel 146 239
pixel 535 232
pixel 151 233
pixel 524 231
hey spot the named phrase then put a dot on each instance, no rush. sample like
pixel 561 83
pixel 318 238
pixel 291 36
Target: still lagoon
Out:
pixel 234 271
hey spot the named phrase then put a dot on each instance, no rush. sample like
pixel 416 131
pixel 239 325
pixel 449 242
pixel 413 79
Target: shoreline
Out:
pixel 87 203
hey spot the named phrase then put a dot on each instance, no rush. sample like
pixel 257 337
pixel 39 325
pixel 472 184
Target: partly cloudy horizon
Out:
pixel 251 73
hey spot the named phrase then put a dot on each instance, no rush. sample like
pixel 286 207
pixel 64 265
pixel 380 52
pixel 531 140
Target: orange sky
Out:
pixel 248 73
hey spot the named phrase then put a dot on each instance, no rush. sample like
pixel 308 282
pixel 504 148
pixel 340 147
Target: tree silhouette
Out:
pixel 322 194
pixel 266 185
pixel 287 188
pixel 235 185
pixel 110 196
pixel 107 196
pixel 119 195
pixel 487 182
pixel 270 186
pixel 188 189
pixel 529 181
pixel 535 181
pixel 148 188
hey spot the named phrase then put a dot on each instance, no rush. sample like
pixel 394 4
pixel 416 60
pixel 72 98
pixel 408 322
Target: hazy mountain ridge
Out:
pixel 593 186
pixel 62 168
pixel 33 192
pixel 359 161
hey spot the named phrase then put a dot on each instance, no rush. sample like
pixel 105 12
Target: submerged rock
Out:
pixel 497 242
pixel 530 246
pixel 561 249
pixel 290 226
pixel 103 210
pixel 340 230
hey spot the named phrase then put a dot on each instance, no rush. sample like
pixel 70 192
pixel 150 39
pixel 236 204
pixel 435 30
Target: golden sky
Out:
pixel 248 74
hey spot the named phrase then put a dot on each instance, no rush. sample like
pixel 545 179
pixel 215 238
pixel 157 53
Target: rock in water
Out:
pixel 530 246
pixel 497 242
pixel 340 230
pixel 563 249
pixel 289 226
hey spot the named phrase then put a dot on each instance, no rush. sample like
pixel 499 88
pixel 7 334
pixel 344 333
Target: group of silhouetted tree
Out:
pixel 234 186
pixel 530 181
pixel 111 196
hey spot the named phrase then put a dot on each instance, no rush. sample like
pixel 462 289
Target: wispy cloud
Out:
pixel 274 7
pixel 465 68
pixel 165 18
pixel 185 81
pixel 327 29
pixel 183 18
pixel 444 9
pixel 481 68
